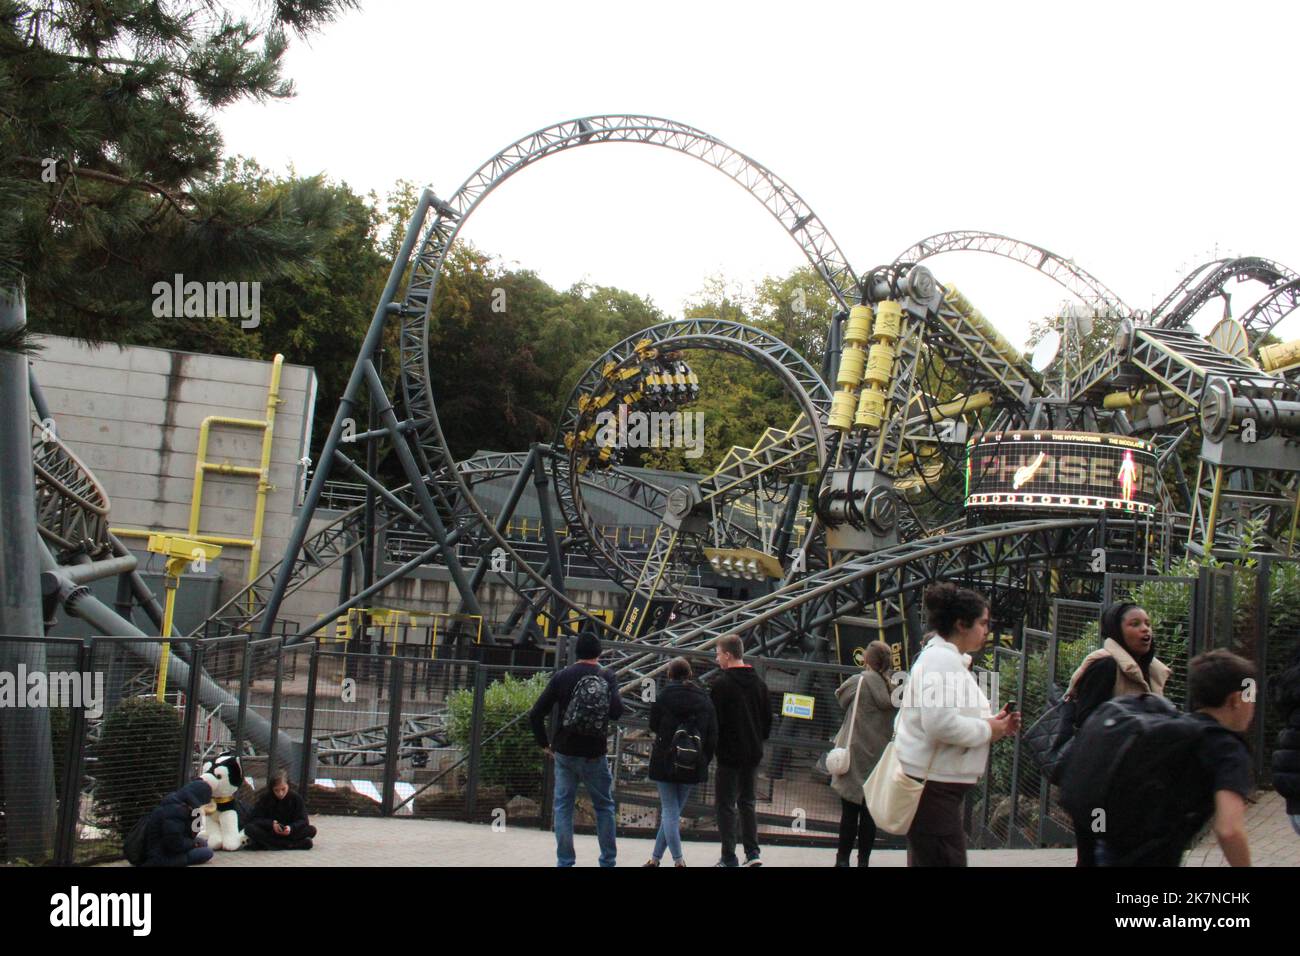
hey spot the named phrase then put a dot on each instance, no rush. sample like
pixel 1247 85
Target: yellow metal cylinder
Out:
pixel 842 406
pixel 858 330
pixel 1281 355
pixel 889 320
pixel 976 320
pixel 967 403
pixel 852 362
pixel 880 365
pixel 1121 400
pixel 871 409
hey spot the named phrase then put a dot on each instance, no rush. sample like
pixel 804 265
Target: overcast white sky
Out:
pixel 1133 137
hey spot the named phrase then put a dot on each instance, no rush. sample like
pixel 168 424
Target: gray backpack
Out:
pixel 588 710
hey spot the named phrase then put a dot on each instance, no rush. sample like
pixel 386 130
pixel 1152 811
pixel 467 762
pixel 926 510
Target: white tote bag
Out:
pixel 891 795
pixel 838 760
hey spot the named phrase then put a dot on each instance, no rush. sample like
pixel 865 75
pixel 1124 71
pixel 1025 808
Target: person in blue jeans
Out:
pixel 686 733
pixel 585 700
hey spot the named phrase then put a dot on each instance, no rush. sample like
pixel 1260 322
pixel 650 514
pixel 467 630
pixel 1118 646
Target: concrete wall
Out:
pixel 132 415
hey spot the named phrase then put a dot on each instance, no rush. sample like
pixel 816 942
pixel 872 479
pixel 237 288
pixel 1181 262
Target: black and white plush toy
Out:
pixel 221 816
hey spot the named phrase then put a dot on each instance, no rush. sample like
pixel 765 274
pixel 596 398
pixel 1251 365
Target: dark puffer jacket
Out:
pixel 1286 756
pixel 170 831
pixel 682 702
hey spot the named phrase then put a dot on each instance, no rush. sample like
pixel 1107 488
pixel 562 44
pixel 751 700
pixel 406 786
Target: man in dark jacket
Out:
pixel 586 700
pixel 1286 756
pixel 169 834
pixel 744 722
pixel 279 819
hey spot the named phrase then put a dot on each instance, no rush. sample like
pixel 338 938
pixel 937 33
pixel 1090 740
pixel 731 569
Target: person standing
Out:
pixel 1208 780
pixel 1285 761
pixel 588 701
pixel 744 722
pixel 945 725
pixel 1124 666
pixel 686 735
pixel 866 730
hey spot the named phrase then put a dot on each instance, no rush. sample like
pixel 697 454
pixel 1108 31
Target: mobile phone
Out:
pixel 1011 706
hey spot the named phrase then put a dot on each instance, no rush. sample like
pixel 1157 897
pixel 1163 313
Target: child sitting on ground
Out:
pixel 279 820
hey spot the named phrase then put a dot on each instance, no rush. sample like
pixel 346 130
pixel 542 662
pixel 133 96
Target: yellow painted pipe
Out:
pixel 967 403
pixel 169 610
pixel 264 481
pixel 262 472
pixel 205 538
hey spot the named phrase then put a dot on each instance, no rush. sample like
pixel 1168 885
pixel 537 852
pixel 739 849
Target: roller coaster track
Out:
pixel 448 217
pixel 368 746
pixel 893 571
pixel 789 450
pixel 1077 281
pixel 1208 280
pixel 343 535
pixel 1262 317
pixel 71 505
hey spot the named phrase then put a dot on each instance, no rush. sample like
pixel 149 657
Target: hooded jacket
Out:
pixel 744 716
pixel 682 702
pixel 170 831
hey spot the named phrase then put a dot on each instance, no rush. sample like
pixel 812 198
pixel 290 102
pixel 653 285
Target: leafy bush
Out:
pixel 509 757
pixel 135 760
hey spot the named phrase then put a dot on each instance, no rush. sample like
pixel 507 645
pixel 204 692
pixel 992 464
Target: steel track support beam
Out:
pixel 30 804
pixel 386 414
pixel 373 340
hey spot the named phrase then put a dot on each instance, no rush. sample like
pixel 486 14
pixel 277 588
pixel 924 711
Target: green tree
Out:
pixel 110 163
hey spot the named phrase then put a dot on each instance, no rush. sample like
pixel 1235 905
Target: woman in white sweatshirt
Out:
pixel 945 724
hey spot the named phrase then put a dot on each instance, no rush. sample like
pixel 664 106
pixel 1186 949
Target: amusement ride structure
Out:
pixel 926 447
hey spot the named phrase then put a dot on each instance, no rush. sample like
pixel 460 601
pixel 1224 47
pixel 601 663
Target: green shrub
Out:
pixel 135 760
pixel 509 756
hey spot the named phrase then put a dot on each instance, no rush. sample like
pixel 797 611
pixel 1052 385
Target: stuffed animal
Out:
pixel 221 816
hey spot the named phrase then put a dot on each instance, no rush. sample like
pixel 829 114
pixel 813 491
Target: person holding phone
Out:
pixel 945 724
pixel 279 820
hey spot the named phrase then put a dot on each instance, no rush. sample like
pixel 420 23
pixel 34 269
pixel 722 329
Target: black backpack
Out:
pixel 1136 759
pixel 685 750
pixel 588 709
pixel 133 847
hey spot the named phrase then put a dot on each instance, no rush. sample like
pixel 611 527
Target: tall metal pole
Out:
pixel 25 745
pixel 348 402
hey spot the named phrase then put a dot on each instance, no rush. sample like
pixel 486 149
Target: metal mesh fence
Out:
pixel 1280 646
pixel 1077 635
pixel 37 681
pixel 134 751
pixel 794 799
pixel 994 809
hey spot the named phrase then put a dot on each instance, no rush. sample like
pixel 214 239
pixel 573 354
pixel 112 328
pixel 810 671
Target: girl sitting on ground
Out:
pixel 279 819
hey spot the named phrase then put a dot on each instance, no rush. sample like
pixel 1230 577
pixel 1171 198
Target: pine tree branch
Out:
pixel 21 340
pixel 67 170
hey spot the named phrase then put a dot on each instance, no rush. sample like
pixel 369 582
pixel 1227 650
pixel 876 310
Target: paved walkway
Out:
pixel 373 841
pixel 1272 841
